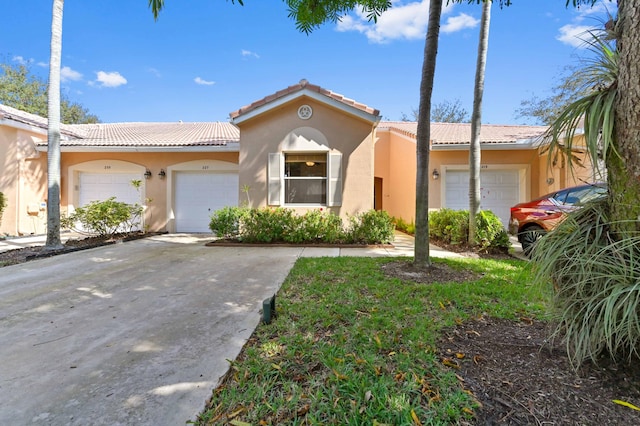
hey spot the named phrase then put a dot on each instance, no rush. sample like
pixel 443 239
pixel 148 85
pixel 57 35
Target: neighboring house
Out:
pixel 303 147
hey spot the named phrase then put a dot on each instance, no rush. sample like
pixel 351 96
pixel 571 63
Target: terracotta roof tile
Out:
pixel 156 134
pixel 302 85
pixel 460 133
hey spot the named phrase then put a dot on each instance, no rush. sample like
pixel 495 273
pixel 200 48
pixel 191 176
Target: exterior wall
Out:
pixel 155 189
pixel 396 165
pixel 275 131
pixel 558 174
pixel 23 181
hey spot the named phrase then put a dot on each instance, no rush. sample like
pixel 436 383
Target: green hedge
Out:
pixel 452 227
pixel 282 225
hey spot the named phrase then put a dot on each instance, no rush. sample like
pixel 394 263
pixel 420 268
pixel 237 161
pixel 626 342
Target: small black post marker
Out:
pixel 268 309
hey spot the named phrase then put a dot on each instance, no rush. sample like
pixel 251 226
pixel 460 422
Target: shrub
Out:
pixel 595 278
pixel 316 226
pixel 372 227
pixel 404 226
pixel 490 232
pixel 273 225
pixel 226 222
pixel 104 218
pixel 3 205
pixel 267 225
pixel 449 226
pixel 452 227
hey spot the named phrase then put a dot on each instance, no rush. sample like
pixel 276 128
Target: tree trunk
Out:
pixel 624 168
pixel 421 253
pixel 476 122
pixel 53 134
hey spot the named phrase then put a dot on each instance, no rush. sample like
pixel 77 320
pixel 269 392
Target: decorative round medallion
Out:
pixel 305 112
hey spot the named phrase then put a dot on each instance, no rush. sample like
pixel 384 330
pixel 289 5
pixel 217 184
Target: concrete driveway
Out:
pixel 136 333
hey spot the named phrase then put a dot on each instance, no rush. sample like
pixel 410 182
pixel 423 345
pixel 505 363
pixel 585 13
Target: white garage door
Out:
pixel 197 195
pixel 499 190
pixel 100 186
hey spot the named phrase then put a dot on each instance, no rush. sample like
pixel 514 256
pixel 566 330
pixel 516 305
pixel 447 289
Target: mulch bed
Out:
pixel 14 257
pixel 522 379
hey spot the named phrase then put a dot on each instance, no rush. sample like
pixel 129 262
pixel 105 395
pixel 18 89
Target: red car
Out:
pixel 531 220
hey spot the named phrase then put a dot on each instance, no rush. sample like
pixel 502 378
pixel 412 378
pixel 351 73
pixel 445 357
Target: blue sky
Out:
pixel 205 58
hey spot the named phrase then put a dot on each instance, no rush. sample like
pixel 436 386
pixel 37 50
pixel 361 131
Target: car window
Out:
pixel 560 197
pixel 583 195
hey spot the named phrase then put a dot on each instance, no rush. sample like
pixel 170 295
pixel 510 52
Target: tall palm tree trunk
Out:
pixel 53 134
pixel 421 250
pixel 624 169
pixel 476 122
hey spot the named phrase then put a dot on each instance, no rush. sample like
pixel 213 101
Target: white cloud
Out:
pixel 246 53
pixel 459 23
pixel 110 79
pixel 203 82
pixel 67 74
pixel 43 64
pixel 403 21
pixel 21 60
pixel 154 71
pixel 574 35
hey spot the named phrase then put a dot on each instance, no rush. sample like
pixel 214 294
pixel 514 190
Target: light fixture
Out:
pixel 147 174
pixel 435 174
pixel 310 163
pixel 162 174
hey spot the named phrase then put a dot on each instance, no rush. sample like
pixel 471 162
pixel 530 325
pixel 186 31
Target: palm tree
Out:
pixel 421 250
pixel 476 122
pixel 53 131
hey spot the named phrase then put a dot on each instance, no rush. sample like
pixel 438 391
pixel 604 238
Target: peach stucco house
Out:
pixel 303 147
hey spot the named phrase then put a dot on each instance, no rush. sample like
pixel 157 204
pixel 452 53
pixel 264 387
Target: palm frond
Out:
pixel 594 113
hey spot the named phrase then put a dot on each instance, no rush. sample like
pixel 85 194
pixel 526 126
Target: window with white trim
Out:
pixel 305 178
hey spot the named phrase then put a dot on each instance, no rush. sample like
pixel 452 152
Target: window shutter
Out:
pixel 274 179
pixel 334 174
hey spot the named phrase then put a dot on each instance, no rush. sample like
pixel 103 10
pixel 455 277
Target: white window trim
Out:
pixel 276 180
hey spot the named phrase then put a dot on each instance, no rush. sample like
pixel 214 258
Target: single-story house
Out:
pixel 303 147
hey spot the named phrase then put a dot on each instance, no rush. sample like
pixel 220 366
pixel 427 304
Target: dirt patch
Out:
pixel 521 379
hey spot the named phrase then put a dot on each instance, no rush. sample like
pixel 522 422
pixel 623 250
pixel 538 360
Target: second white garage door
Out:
pixel 500 189
pixel 197 195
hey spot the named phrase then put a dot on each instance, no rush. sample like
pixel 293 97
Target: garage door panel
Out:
pixel 198 195
pixel 500 189
pixel 101 186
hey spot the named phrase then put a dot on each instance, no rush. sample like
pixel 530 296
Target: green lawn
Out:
pixel 350 346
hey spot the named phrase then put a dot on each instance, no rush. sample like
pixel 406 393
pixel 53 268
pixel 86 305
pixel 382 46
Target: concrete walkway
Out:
pixel 135 333
pixel 402 246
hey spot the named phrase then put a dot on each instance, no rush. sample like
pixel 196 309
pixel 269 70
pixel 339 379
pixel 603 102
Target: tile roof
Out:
pixel 303 85
pixel 182 134
pixel 9 113
pixel 460 133
pixel 155 134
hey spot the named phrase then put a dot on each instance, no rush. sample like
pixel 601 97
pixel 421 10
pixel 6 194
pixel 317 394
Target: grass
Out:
pixel 350 346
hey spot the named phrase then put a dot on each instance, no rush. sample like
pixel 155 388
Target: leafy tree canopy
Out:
pixel 21 89
pixel 570 87
pixel 443 112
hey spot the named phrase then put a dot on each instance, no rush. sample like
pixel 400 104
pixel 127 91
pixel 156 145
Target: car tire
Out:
pixel 529 236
